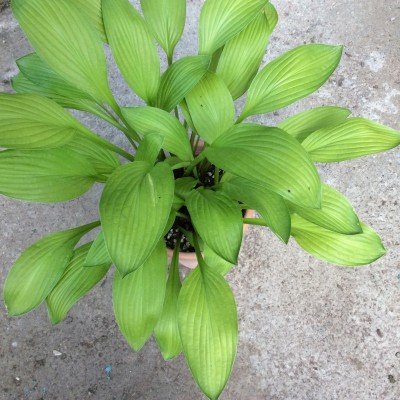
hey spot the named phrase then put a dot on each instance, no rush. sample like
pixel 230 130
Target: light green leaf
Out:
pixel 75 283
pixel 63 39
pixel 23 85
pixel 336 213
pixel 98 253
pixel 208 328
pixel 291 77
pixel 132 47
pixel 166 19
pixel 183 186
pixel 211 107
pixel 347 250
pixel 179 79
pixel 166 331
pixel 271 15
pixel 221 20
pixel 138 298
pixel 149 148
pixel 302 125
pixel 270 157
pixel 354 138
pixel 92 11
pixel 215 262
pixel 45 175
pixel 38 72
pixel 242 55
pixel 103 161
pixel 134 209
pixel 270 205
pixel 147 120
pixel 39 268
pixel 218 221
pixel 28 121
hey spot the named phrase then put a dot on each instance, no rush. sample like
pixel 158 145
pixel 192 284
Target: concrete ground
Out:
pixel 308 330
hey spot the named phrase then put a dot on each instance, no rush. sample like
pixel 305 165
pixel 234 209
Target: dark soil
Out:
pixel 174 233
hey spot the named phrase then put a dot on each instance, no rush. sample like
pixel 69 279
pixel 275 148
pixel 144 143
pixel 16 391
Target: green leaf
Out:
pixel 28 121
pixel 166 19
pixel 45 175
pixel 23 85
pixel 290 77
pixel 147 120
pixel 34 69
pixel 179 79
pixel 92 11
pixel 103 161
pixel 184 186
pixel 271 15
pixel 75 283
pixel 270 157
pixel 221 20
pixel 242 55
pixel 208 329
pixel 211 107
pixel 347 250
pixel 354 138
pixel 218 221
pixel 167 331
pixel 132 47
pixel 134 209
pixel 39 268
pixel 98 253
pixel 63 39
pixel 215 262
pixel 336 213
pixel 302 125
pixel 138 298
pixel 270 205
pixel 149 148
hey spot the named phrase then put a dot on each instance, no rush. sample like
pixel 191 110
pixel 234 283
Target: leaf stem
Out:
pixel 254 221
pixel 196 161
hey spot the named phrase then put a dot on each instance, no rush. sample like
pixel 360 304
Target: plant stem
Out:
pixel 184 216
pixel 216 175
pixel 196 161
pixel 199 256
pixel 254 221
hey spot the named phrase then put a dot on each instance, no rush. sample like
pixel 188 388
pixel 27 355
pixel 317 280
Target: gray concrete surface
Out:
pixel 308 330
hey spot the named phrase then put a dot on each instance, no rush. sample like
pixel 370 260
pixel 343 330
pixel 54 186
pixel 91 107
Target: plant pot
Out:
pixel 189 260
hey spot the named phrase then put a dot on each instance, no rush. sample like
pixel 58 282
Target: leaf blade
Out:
pixel 290 77
pixel 208 328
pixel 138 298
pixel 134 209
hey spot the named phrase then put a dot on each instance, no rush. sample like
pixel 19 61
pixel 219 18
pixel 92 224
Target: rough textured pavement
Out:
pixel 308 330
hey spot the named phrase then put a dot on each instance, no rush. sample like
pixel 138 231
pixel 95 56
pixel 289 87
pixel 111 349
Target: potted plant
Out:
pixel 193 171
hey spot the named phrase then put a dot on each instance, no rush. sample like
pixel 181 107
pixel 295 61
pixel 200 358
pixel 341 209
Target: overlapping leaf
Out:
pixel 336 213
pixel 61 36
pixel 354 138
pixel 221 20
pixel 242 55
pixel 45 175
pixel 211 107
pixel 166 19
pixel 270 205
pixel 92 11
pixel 179 79
pixel 208 329
pixel 146 120
pixel 218 221
pixel 39 268
pixel 149 148
pixel 75 283
pixel 302 125
pixel 139 297
pixel 98 253
pixel 28 121
pixel 270 157
pixel 291 77
pixel 347 250
pixel 132 47
pixel 134 209
pixel 167 331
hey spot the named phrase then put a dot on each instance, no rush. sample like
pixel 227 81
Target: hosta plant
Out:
pixel 190 169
